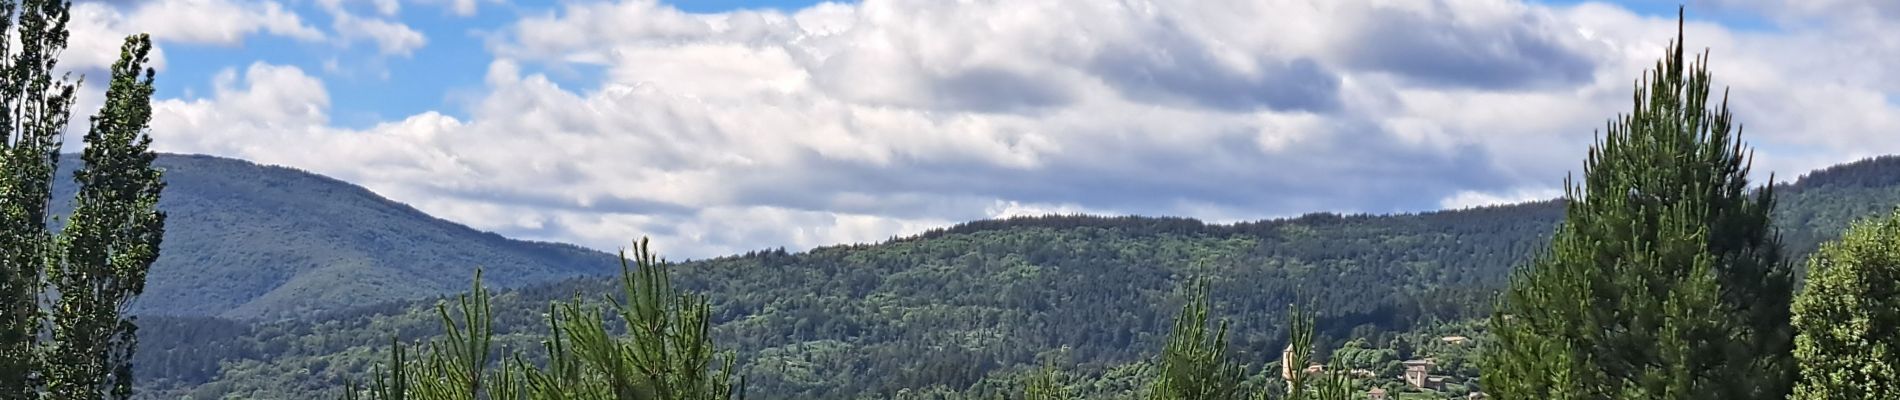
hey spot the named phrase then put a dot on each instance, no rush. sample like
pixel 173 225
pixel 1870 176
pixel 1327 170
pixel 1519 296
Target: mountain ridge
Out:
pixel 246 240
pixel 974 302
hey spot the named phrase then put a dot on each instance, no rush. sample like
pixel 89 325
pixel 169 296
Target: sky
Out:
pixel 722 126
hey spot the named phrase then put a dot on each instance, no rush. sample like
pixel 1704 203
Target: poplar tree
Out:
pixel 1848 317
pixel 34 105
pixel 110 242
pixel 1665 280
pixel 63 297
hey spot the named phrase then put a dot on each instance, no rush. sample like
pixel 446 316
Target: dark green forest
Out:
pixel 261 242
pixel 970 308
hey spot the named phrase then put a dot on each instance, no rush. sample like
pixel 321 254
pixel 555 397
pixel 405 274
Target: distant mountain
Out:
pixel 958 307
pixel 250 241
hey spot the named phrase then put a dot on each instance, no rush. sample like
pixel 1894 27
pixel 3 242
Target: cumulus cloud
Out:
pixel 854 122
pixel 216 21
pixel 391 37
pixel 98 29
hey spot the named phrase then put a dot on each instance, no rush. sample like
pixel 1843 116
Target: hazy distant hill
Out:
pixel 245 240
pixel 957 306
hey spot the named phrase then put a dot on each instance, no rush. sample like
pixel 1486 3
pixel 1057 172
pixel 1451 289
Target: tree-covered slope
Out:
pixel 1821 204
pixel 947 309
pixel 248 241
pixel 950 307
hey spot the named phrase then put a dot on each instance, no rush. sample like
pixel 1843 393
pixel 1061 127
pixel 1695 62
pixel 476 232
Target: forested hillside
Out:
pixel 943 310
pixel 251 241
pixel 1819 205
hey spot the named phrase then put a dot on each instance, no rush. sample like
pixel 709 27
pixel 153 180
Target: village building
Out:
pixel 1286 364
pixel 1418 373
pixel 1376 394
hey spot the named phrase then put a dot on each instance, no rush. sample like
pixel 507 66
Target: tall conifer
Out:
pixel 1195 365
pixel 1666 280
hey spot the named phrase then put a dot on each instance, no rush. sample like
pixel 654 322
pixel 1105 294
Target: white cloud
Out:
pixel 1010 208
pixel 216 21
pixel 266 107
pixel 854 122
pixel 98 29
pixel 391 37
pixel 388 8
pixel 1470 198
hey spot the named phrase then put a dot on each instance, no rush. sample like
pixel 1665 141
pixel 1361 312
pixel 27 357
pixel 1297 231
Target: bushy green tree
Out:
pixel 63 329
pixel 1848 317
pixel 664 350
pixel 1666 280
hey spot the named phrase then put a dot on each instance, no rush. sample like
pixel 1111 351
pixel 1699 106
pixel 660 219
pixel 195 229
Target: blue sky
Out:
pixel 722 126
pixel 372 88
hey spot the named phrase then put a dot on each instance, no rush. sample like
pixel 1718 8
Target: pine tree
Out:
pixel 1195 366
pixel 1848 317
pixel 1331 384
pixel 666 351
pixel 1665 280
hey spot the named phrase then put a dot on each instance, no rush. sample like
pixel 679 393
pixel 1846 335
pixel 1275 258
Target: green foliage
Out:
pixel 1046 384
pixel 33 114
pixel 1666 280
pixel 664 351
pixel 1195 365
pixel 1848 317
pixel 1332 384
pixel 110 242
pixel 1357 353
pixel 63 296
pixel 1824 202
